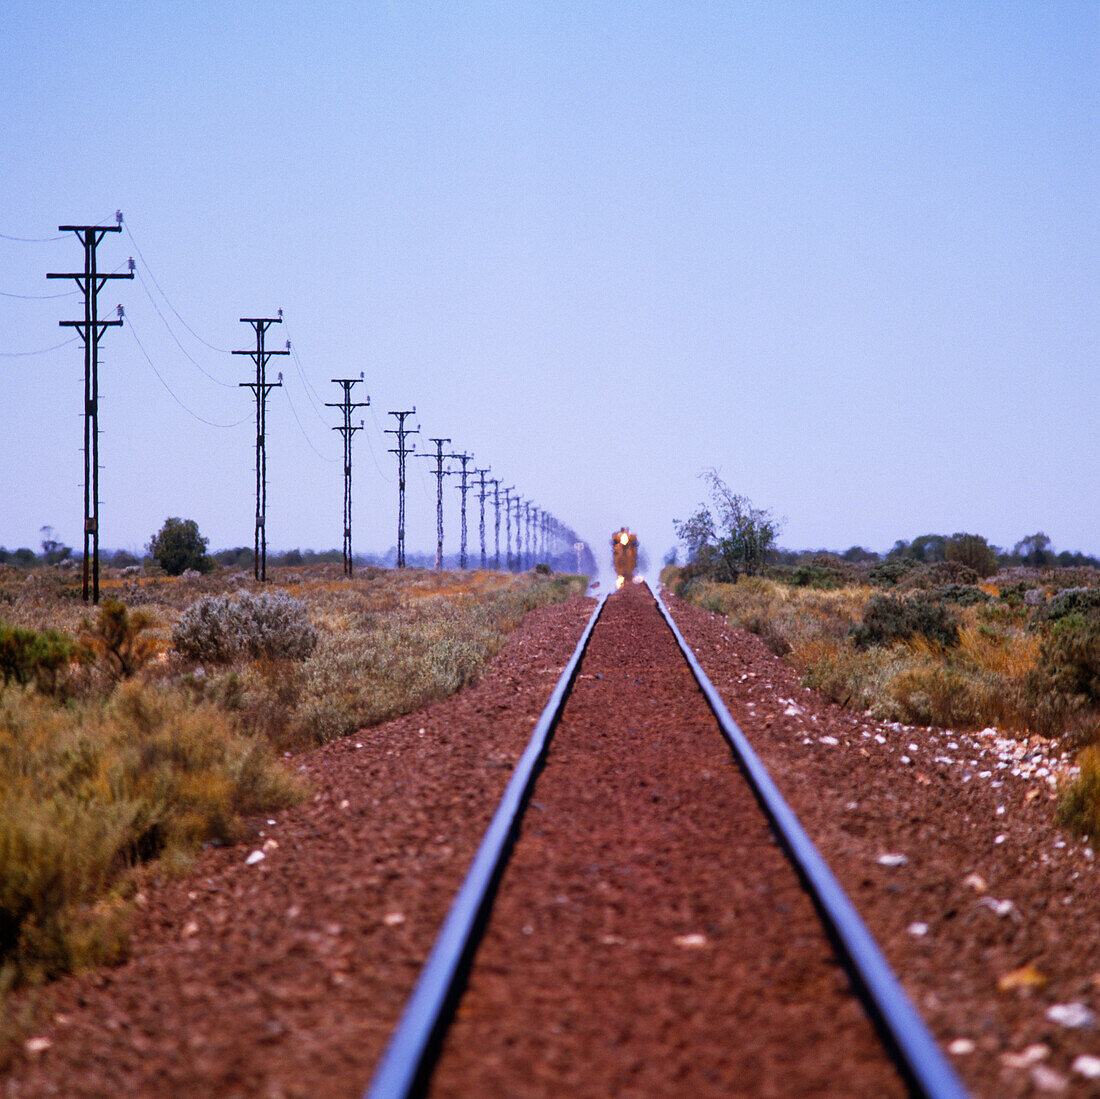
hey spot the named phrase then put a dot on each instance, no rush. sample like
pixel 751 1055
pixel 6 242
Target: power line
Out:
pixel 38 297
pixel 171 392
pixel 313 398
pixel 370 448
pixel 305 434
pixel 31 240
pixel 186 353
pixel 137 248
pixel 40 351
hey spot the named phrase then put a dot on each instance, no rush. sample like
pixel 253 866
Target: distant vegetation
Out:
pixel 155 725
pixel 943 630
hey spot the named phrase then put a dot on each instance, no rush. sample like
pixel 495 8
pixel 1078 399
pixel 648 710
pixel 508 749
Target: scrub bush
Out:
pixel 35 656
pixel 887 573
pixel 121 638
pixel 220 629
pixel 962 595
pixel 91 789
pixel 937 575
pixel 887 619
pixel 1079 807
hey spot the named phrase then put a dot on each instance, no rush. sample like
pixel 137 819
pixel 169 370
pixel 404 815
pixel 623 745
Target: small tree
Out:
pixel 928 548
pixel 53 552
pixel 1034 550
pixel 729 536
pixel 974 551
pixel 179 547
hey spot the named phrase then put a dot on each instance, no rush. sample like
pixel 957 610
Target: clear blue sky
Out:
pixel 845 252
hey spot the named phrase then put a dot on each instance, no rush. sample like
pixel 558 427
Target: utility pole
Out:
pixel 463 488
pixel 402 452
pixel 508 526
pixel 495 482
pixel 260 389
pixel 480 474
pixel 347 430
pixel 90 329
pixel 529 512
pixel 440 473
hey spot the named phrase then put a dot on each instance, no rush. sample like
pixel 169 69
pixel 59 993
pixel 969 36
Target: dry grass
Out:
pixel 985 679
pixel 137 753
pixel 1010 667
pixel 1079 807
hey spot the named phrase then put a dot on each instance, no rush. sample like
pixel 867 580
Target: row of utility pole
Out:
pixel 537 532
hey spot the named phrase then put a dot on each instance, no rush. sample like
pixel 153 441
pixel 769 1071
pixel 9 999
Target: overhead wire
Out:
pixel 370 446
pixel 37 297
pixel 305 381
pixel 187 354
pixel 137 248
pixel 41 351
pixel 171 393
pixel 31 240
pixel 303 430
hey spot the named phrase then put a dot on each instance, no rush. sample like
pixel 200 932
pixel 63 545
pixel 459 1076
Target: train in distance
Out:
pixel 624 553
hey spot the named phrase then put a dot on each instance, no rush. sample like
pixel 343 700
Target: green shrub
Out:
pixel 962 595
pixel 890 571
pixel 824 571
pixel 121 638
pixel 936 694
pixel 1012 593
pixel 973 551
pixel 33 655
pixel 89 790
pixel 1069 658
pixel 937 575
pixel 178 546
pixel 887 619
pixel 219 629
pixel 1084 602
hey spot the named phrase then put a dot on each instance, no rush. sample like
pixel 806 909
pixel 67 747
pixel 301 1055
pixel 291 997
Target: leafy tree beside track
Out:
pixel 728 536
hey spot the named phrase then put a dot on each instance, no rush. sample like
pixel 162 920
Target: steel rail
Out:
pixel 408 1061
pixel 920 1058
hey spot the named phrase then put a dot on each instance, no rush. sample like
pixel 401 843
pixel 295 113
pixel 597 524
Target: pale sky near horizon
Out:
pixel 847 253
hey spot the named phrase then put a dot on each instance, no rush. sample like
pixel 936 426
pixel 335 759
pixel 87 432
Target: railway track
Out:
pixel 645 918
